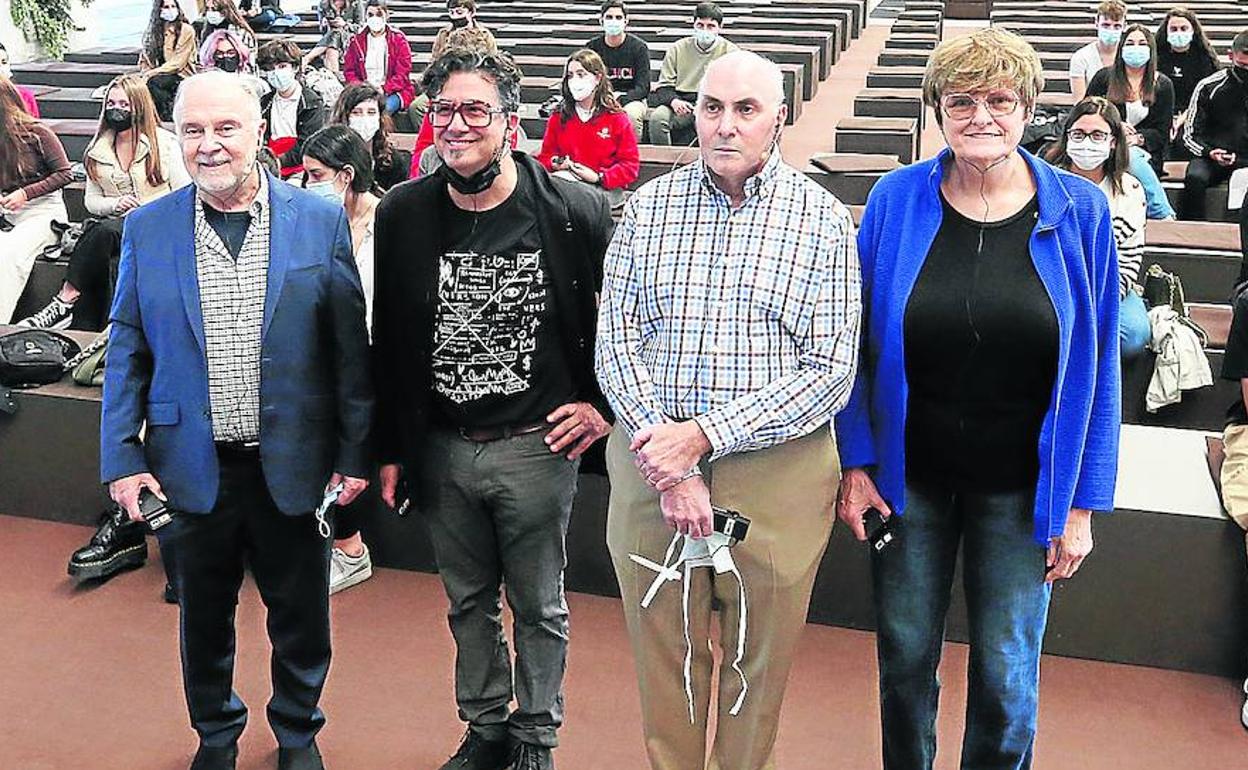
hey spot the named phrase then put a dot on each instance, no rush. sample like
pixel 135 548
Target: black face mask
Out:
pixel 1240 73
pixel 225 63
pixel 478 182
pixel 117 118
pixel 459 22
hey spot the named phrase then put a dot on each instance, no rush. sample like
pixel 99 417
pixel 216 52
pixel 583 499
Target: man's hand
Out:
pixel 687 508
pixel 351 487
pixel 666 452
pixel 389 477
pixel 125 492
pixel 14 201
pixel 856 495
pixel 1222 157
pixel 1066 553
pixel 577 425
pixel 681 107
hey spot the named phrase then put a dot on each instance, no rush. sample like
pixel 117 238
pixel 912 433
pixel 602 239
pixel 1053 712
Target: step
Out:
pixel 885 136
pixel 71 74
pixel 70 102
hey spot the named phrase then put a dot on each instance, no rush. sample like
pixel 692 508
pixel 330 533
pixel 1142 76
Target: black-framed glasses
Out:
pixel 1079 135
pixel 963 106
pixel 475 114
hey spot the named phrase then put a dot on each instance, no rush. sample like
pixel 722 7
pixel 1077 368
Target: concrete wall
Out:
pixel 21 50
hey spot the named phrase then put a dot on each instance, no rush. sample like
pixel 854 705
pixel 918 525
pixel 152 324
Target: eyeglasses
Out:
pixel 963 106
pixel 1078 135
pixel 475 114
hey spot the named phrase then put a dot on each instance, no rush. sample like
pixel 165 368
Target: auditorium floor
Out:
pixel 90 679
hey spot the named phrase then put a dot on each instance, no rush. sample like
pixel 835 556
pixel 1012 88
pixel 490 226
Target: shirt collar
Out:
pixel 259 205
pixel 761 183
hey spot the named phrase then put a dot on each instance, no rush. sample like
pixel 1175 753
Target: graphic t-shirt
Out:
pixel 498 357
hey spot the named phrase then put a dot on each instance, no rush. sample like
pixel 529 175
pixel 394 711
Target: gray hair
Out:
pixel 250 87
pixel 749 59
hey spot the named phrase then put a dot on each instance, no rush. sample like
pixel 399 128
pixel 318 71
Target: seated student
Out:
pixel 1111 19
pixel 1216 133
pixel 380 55
pixel 591 139
pixel 463 32
pixel 627 58
pixel 1187 57
pixel 224 15
pixel 361 107
pixel 130 162
pixel 1095 146
pixel 339 20
pixel 291 112
pixel 167 55
pixel 6 73
pixel 1145 101
pixel 260 14
pixel 683 66
pixel 339 167
pixel 33 169
pixel 225 51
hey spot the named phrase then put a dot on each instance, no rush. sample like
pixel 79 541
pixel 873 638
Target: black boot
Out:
pixel 117 545
pixel 476 753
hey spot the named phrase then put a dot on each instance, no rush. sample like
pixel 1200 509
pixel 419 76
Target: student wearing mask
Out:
pixel 130 162
pixel 381 55
pixel 1111 19
pixel 1216 133
pixel 684 64
pixel 627 59
pixel 292 113
pixel 168 54
pixel 1094 145
pixel 224 14
pixel 361 106
pixel 225 51
pixel 591 139
pixel 463 32
pixel 340 20
pixel 1145 101
pixel 6 73
pixel 1187 57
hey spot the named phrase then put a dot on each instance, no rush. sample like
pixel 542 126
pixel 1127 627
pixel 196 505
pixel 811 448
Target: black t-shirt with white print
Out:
pixel 1235 362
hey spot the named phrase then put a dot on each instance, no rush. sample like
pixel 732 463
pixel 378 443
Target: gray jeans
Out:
pixel 498 513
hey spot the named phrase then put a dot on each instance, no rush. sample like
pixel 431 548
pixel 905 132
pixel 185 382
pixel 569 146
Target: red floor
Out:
pixel 90 679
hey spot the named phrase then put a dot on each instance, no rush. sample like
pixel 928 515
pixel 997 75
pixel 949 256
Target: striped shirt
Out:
pixel 1128 214
pixel 744 319
pixel 231 298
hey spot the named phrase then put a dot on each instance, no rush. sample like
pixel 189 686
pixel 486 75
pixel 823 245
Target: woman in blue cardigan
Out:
pixel 986 408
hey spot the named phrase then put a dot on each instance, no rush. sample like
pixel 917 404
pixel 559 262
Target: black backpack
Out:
pixel 33 357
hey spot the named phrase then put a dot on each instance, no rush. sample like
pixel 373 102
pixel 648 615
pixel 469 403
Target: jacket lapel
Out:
pixel 184 258
pixel 281 231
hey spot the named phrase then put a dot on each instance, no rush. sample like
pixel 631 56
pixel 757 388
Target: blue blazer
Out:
pixel 315 391
pixel 1074 253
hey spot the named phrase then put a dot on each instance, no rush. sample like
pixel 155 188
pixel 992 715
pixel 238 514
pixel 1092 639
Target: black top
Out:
pixel 1185 70
pixel 1218 117
pixel 1235 361
pixel 1155 127
pixel 981 346
pixel 231 227
pixel 497 356
pixel 628 66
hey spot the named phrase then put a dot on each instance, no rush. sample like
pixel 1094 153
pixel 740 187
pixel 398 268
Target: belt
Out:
pixel 485 435
pixel 243 448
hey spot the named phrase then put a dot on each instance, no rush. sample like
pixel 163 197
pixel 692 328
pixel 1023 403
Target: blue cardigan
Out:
pixel 1073 250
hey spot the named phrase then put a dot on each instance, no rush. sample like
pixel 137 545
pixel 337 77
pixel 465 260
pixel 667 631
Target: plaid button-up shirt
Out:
pixel 744 319
pixel 231 298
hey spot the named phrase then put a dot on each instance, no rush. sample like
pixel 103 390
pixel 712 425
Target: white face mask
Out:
pixel 581 87
pixel 376 24
pixel 366 126
pixel 214 17
pixel 1088 155
pixel 169 14
pixel 327 190
pixel 704 37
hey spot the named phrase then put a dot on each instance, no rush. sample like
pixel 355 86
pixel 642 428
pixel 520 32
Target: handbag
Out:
pixel 87 368
pixel 33 357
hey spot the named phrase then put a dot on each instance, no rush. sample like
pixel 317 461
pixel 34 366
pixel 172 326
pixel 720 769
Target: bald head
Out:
pixel 739 116
pixel 761 75
pixel 224 88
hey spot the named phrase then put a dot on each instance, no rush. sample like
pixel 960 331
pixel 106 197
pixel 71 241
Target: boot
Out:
pixel 118 544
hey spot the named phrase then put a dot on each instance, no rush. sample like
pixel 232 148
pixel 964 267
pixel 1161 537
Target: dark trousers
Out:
pixel 90 270
pixel 1202 174
pixel 164 88
pixel 498 512
pixel 290 562
pixel 347 519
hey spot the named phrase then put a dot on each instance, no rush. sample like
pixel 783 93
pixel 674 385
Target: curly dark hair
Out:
pixel 498 68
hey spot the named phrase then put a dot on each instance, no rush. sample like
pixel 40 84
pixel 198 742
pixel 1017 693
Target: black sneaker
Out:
pixel 57 314
pixel 529 756
pixel 476 753
pixel 117 544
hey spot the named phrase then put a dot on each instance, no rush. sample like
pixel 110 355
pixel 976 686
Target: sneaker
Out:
pixel 57 314
pixel 346 570
pixel 1243 712
pixel 476 753
pixel 530 756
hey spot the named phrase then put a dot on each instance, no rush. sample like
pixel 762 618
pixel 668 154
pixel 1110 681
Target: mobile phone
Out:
pixel 558 160
pixel 880 532
pixel 730 523
pixel 153 509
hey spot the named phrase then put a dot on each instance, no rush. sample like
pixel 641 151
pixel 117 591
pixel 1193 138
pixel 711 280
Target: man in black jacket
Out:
pixel 484 317
pixel 291 111
pixel 628 62
pixel 1216 133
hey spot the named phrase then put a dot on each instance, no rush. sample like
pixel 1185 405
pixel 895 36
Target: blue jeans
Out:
pixel 1007 604
pixel 394 103
pixel 1134 330
pixel 1158 205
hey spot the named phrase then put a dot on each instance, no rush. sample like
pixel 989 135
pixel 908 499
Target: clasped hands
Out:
pixel 666 453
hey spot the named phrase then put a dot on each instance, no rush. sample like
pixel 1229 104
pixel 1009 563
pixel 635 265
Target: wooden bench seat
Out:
pixel 886 136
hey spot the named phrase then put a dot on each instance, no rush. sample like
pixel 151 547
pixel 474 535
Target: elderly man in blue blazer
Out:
pixel 237 389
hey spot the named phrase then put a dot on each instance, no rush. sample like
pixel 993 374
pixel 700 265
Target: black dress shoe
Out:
pixel 215 758
pixel 303 758
pixel 530 756
pixel 117 544
pixel 476 753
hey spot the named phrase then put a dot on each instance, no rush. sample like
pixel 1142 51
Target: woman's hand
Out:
pixel 14 201
pixel 1066 553
pixel 584 172
pixel 856 495
pixel 125 203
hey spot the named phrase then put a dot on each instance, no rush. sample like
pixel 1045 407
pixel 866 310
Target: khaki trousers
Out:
pixel 1234 475
pixel 787 492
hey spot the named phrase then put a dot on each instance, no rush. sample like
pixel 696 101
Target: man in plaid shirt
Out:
pixel 728 338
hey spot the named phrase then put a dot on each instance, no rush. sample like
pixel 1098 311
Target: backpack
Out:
pixel 32 357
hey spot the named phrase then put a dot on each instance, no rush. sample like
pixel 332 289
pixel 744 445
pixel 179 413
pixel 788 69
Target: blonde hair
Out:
pixel 1114 10
pixel 988 58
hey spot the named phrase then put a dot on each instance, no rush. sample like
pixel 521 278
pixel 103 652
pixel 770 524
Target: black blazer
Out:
pixel 575 226
pixel 1155 127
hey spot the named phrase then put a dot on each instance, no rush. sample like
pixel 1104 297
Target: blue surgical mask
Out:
pixel 613 27
pixel 705 38
pixel 281 78
pixel 1179 39
pixel 1108 37
pixel 327 190
pixel 1136 55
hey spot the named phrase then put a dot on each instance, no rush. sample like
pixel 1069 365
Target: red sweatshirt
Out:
pixel 606 144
